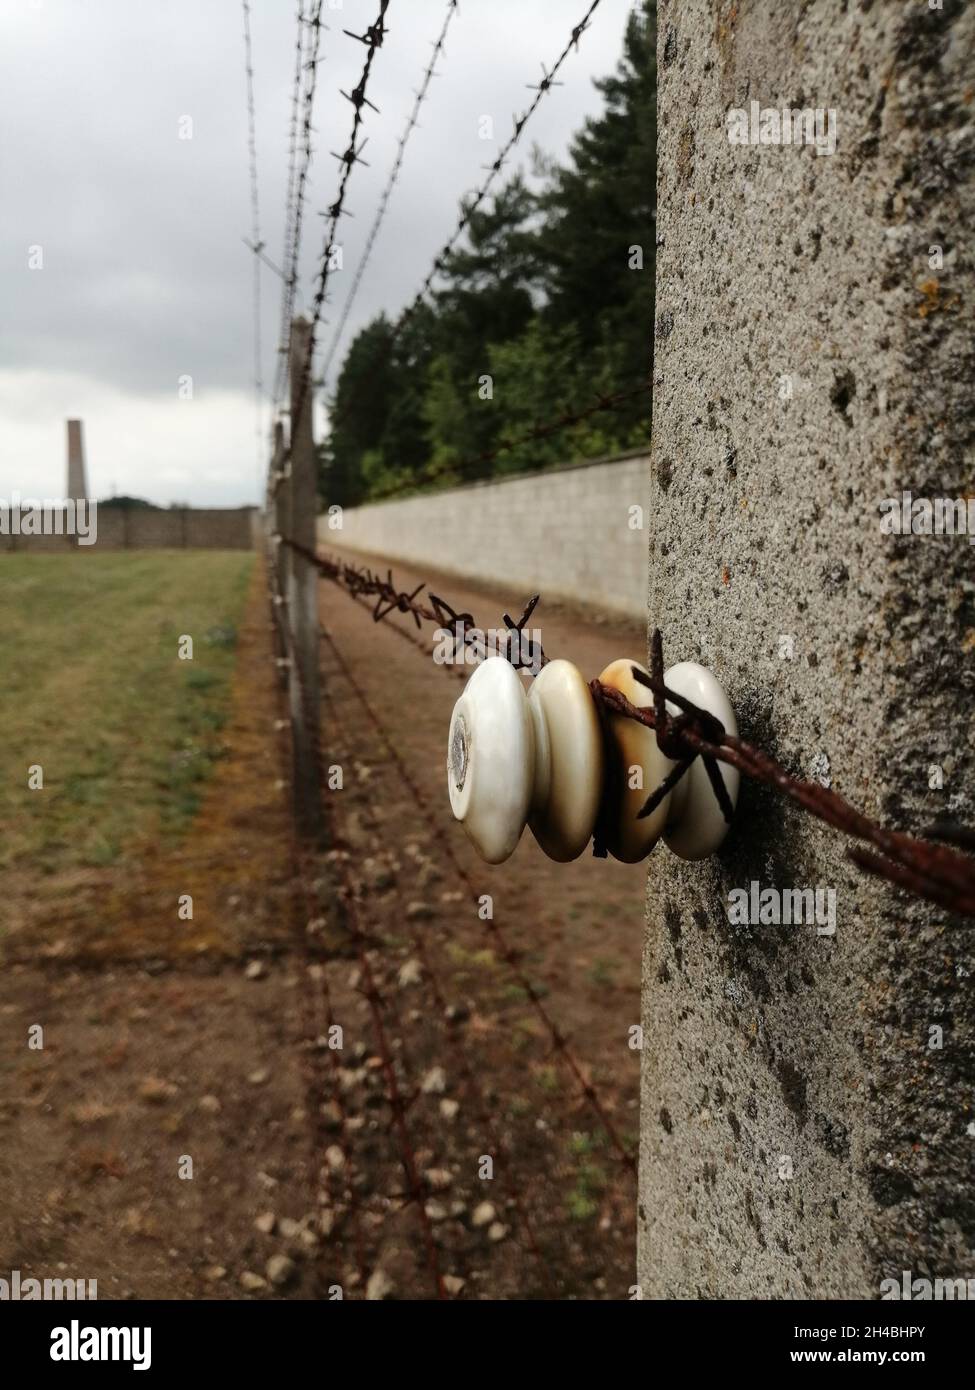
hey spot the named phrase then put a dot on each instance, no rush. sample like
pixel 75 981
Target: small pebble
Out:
pixel 379 1286
pixel 281 1269
pixel 484 1213
pixel 439 1178
pixel 410 973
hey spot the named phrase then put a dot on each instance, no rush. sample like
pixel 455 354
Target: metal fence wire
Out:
pixel 928 868
pixel 939 868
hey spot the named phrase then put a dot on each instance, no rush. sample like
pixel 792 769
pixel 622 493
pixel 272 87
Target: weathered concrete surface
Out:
pixel 763 1041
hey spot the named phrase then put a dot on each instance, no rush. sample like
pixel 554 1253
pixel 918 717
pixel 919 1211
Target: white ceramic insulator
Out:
pixel 539 759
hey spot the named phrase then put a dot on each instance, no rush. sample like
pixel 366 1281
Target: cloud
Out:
pixel 159 447
pixel 145 277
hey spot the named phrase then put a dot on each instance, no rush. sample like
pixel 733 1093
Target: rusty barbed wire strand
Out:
pixel 460 1055
pixel 360 581
pixel 370 990
pixel 296 94
pixel 923 867
pixel 388 595
pixel 257 246
pixel 308 59
pixel 290 202
pixel 373 40
pixel 470 202
pixel 411 123
pixel 459 473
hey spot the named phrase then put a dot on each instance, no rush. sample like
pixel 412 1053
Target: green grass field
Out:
pixel 92 689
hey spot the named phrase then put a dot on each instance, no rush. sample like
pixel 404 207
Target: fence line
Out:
pixel 460 1053
pixel 926 868
pixel 255 227
pixel 301 873
pixel 559 1041
pixel 309 716
pixel 373 40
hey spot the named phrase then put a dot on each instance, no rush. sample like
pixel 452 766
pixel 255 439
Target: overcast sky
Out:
pixel 145 278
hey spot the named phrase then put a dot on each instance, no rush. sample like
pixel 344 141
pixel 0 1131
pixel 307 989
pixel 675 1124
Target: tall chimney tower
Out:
pixel 77 481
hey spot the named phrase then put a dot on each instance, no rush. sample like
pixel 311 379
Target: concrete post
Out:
pixel 302 586
pixel 808 1098
pixel 280 553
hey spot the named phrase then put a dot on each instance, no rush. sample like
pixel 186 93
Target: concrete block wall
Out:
pixel 139 528
pixel 566 532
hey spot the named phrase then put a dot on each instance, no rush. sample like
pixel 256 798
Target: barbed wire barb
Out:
pixel 373 39
pixel 470 202
pixel 256 244
pixel 411 124
pixel 925 867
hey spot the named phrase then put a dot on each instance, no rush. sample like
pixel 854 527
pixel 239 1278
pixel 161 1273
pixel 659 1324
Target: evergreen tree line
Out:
pixel 547 305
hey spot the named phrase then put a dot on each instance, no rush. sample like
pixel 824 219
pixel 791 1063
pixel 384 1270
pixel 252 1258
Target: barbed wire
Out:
pixel 290 196
pixel 411 124
pixel 470 202
pixel 301 874
pixel 405 602
pixel 373 40
pixel 559 1041
pixel 924 867
pixel 255 232
pixel 310 59
pixel 369 989
pixel 290 185
pixel 459 1054
pixel 361 581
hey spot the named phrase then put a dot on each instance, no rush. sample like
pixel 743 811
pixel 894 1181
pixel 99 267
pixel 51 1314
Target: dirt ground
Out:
pixel 447 1147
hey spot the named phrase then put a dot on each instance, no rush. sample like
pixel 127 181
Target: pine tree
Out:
pixel 547 304
pixel 599 220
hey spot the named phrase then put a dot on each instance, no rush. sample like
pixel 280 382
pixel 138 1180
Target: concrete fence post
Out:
pixel 808 1092
pixel 301 504
pixel 280 507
